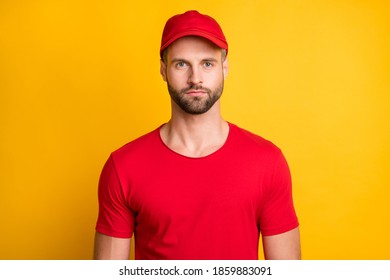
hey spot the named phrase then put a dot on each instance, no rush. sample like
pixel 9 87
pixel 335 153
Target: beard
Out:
pixel 195 105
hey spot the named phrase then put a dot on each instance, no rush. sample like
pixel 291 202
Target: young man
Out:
pixel 197 187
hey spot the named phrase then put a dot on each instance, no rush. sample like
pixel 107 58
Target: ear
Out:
pixel 163 70
pixel 225 68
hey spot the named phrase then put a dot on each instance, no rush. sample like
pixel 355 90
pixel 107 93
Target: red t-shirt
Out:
pixel 213 207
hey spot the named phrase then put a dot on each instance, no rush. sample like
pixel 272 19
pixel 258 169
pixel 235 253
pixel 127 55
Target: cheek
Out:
pixel 175 77
pixel 217 78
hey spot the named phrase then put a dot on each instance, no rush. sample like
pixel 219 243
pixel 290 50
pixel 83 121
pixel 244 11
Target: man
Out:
pixel 197 187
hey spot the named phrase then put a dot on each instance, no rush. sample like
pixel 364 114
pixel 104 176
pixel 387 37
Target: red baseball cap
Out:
pixel 192 23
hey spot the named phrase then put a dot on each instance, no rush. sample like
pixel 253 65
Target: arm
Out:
pixel 284 246
pixel 111 248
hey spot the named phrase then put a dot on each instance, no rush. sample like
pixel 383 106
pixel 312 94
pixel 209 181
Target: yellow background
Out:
pixel 78 79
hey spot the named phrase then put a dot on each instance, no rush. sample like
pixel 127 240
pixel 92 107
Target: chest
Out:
pixel 184 190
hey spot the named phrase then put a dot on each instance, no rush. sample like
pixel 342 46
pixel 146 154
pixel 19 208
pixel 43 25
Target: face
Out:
pixel 194 70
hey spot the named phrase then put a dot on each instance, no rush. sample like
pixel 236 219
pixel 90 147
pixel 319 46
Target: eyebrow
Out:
pixel 178 59
pixel 210 59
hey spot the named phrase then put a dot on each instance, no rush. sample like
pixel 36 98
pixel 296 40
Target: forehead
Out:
pixel 192 46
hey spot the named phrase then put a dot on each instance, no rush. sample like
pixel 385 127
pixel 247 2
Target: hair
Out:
pixel 164 55
pixel 224 54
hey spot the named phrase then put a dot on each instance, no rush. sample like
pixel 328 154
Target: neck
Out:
pixel 195 135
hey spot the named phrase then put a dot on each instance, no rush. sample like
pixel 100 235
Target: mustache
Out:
pixel 184 90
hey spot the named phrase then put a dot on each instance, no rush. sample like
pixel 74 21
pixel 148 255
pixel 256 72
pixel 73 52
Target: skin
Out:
pixel 194 62
pixel 194 70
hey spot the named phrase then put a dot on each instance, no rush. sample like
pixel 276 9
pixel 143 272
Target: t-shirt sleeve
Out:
pixel 115 217
pixel 278 213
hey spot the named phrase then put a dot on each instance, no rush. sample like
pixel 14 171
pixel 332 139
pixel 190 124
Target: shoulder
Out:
pixel 252 142
pixel 138 147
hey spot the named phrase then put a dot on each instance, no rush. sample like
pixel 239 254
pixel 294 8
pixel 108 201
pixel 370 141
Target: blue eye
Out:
pixel 181 64
pixel 208 64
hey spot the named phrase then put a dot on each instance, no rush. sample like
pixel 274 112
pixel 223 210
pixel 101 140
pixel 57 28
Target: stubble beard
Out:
pixel 195 105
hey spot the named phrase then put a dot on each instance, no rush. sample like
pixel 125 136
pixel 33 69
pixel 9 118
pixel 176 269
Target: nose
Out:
pixel 195 76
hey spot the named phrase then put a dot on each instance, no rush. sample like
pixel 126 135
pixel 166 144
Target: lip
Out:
pixel 195 92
